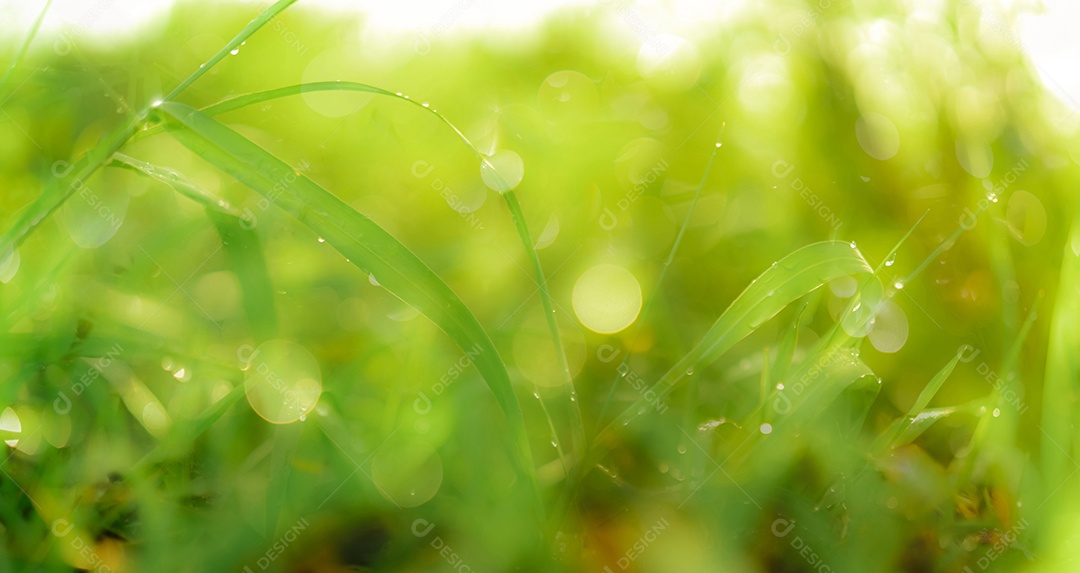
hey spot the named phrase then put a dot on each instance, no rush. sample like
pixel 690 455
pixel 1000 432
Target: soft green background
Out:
pixel 696 488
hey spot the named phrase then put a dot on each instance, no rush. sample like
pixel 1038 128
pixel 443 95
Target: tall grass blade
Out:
pixel 794 276
pixel 252 27
pixel 364 243
pixel 241 244
pixel 22 52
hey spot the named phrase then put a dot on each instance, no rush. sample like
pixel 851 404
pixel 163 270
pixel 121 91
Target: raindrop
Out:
pixel 780 386
pixel 719 145
pixel 766 428
pixel 891 260
pixel 234 51
pixel 182 375
pixel 681 449
pixel 992 197
pixel 554 444
pixel 853 245
pixel 690 371
pixel 371 279
pixel 426 104
pixel 997 412
pixel 899 284
pixel 322 240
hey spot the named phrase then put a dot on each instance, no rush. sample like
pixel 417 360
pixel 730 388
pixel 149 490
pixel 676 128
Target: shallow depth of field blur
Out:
pixel 184 392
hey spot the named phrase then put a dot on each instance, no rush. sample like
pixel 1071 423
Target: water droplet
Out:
pixel 690 371
pixel 234 51
pixel 536 395
pixel 899 284
pixel 997 412
pixel 167 363
pixel 992 197
pixel 322 240
pixel 719 145
pixel 853 245
pixel 780 386
pixel 303 418
pixel 426 104
pixel 371 279
pixel 891 260
pixel 681 449
pixel 766 428
pixel 554 444
pixel 398 94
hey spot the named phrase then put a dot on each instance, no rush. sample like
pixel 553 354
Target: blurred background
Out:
pixel 127 348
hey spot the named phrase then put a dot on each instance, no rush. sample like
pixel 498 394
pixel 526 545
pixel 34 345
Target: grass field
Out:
pixel 800 292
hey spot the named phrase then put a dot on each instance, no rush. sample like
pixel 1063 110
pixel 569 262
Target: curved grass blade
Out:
pixel 364 243
pixel 578 429
pixel 794 276
pixel 240 243
pixel 175 180
pixel 927 394
pixel 242 101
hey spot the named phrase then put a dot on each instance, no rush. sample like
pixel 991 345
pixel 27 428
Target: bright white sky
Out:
pixel 1048 38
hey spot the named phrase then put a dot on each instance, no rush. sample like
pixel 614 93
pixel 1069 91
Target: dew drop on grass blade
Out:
pixel 792 277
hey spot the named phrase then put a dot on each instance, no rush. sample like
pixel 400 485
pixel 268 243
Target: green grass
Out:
pixel 751 418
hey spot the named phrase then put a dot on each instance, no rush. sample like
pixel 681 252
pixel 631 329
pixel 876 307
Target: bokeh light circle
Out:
pixel 607 298
pixel 282 381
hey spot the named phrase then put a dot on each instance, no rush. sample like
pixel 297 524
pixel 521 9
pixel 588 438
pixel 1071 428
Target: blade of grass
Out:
pixel 660 278
pixel 258 22
pixel 22 51
pixel 924 398
pixel 578 427
pixel 364 243
pixel 242 246
pixel 175 180
pixel 787 280
pixel 1062 367
pixel 74 175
